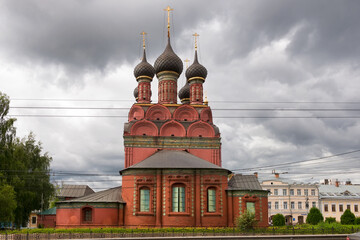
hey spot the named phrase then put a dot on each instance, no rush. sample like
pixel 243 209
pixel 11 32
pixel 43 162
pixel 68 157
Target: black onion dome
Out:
pixel 196 69
pixel 136 92
pixel 144 68
pixel 185 91
pixel 168 61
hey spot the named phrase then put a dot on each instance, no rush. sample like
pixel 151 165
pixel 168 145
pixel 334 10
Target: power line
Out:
pixel 229 117
pixel 214 101
pixel 214 109
pixel 297 162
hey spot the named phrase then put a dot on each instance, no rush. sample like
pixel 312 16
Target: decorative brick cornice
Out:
pixel 172 142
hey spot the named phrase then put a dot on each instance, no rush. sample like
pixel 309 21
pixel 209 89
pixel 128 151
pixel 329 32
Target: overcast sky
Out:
pixel 264 56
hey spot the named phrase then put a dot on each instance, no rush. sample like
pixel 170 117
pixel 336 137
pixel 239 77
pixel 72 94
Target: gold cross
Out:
pixel 168 9
pixel 196 35
pixel 187 62
pixel 143 36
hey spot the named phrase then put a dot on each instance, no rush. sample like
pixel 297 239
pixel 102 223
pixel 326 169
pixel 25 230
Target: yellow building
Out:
pixel 335 199
pixel 291 199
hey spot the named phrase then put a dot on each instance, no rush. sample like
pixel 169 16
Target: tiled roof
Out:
pixel 109 195
pixel 75 190
pixel 174 159
pixel 50 211
pixel 340 192
pixel 244 182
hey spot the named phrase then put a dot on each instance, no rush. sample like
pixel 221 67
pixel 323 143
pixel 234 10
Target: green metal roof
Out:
pixel 50 211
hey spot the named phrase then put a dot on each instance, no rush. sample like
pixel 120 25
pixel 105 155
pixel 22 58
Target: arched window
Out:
pixel 87 214
pixel 211 200
pixel 178 198
pixel 145 199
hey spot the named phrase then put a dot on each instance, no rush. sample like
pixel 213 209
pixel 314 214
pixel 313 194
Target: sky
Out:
pixel 288 69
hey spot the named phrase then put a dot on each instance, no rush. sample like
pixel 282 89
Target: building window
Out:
pixel 87 214
pixel 291 192
pixel 312 192
pixel 211 199
pixel 356 208
pixel 292 205
pixel 333 207
pixel 269 205
pixel 250 207
pixel 276 192
pixel 341 208
pixel 348 206
pixel 33 220
pixel 276 205
pixel 313 204
pixel 145 199
pixel 326 208
pixel 299 205
pixel 284 192
pixel 285 205
pixel 306 192
pixel 178 198
pixel 299 192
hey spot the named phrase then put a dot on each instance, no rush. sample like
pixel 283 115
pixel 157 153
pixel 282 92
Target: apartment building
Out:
pixel 336 198
pixel 290 198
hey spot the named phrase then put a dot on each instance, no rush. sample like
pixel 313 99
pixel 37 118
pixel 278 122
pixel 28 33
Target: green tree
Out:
pixel 278 220
pixel 347 218
pixel 246 221
pixel 357 221
pixel 314 216
pixel 7 203
pixel 24 167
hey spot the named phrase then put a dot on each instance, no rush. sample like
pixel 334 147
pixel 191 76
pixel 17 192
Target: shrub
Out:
pixel 246 221
pixel 357 221
pixel 330 220
pixel 314 216
pixel 347 218
pixel 278 220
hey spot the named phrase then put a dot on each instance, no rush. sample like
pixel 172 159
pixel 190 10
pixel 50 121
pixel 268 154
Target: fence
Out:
pixel 188 232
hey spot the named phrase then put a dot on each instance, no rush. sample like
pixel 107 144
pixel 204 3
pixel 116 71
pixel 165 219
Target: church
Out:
pixel 173 174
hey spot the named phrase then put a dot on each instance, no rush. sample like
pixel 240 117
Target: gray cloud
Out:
pixel 285 51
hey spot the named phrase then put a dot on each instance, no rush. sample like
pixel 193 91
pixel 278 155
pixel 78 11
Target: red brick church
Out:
pixel 173 175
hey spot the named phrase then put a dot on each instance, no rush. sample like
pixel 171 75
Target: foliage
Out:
pixel 357 221
pixel 347 218
pixel 24 167
pixel 314 216
pixel 246 221
pixel 278 220
pixel 330 220
pixel 7 202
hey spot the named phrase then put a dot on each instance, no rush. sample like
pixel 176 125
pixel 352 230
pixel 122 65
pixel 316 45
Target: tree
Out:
pixel 7 203
pixel 347 218
pixel 246 221
pixel 278 220
pixel 314 216
pixel 357 221
pixel 24 167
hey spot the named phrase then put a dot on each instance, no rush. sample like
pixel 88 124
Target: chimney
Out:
pixel 348 182
pixel 337 183
pixel 256 174
pixel 326 181
pixel 277 175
